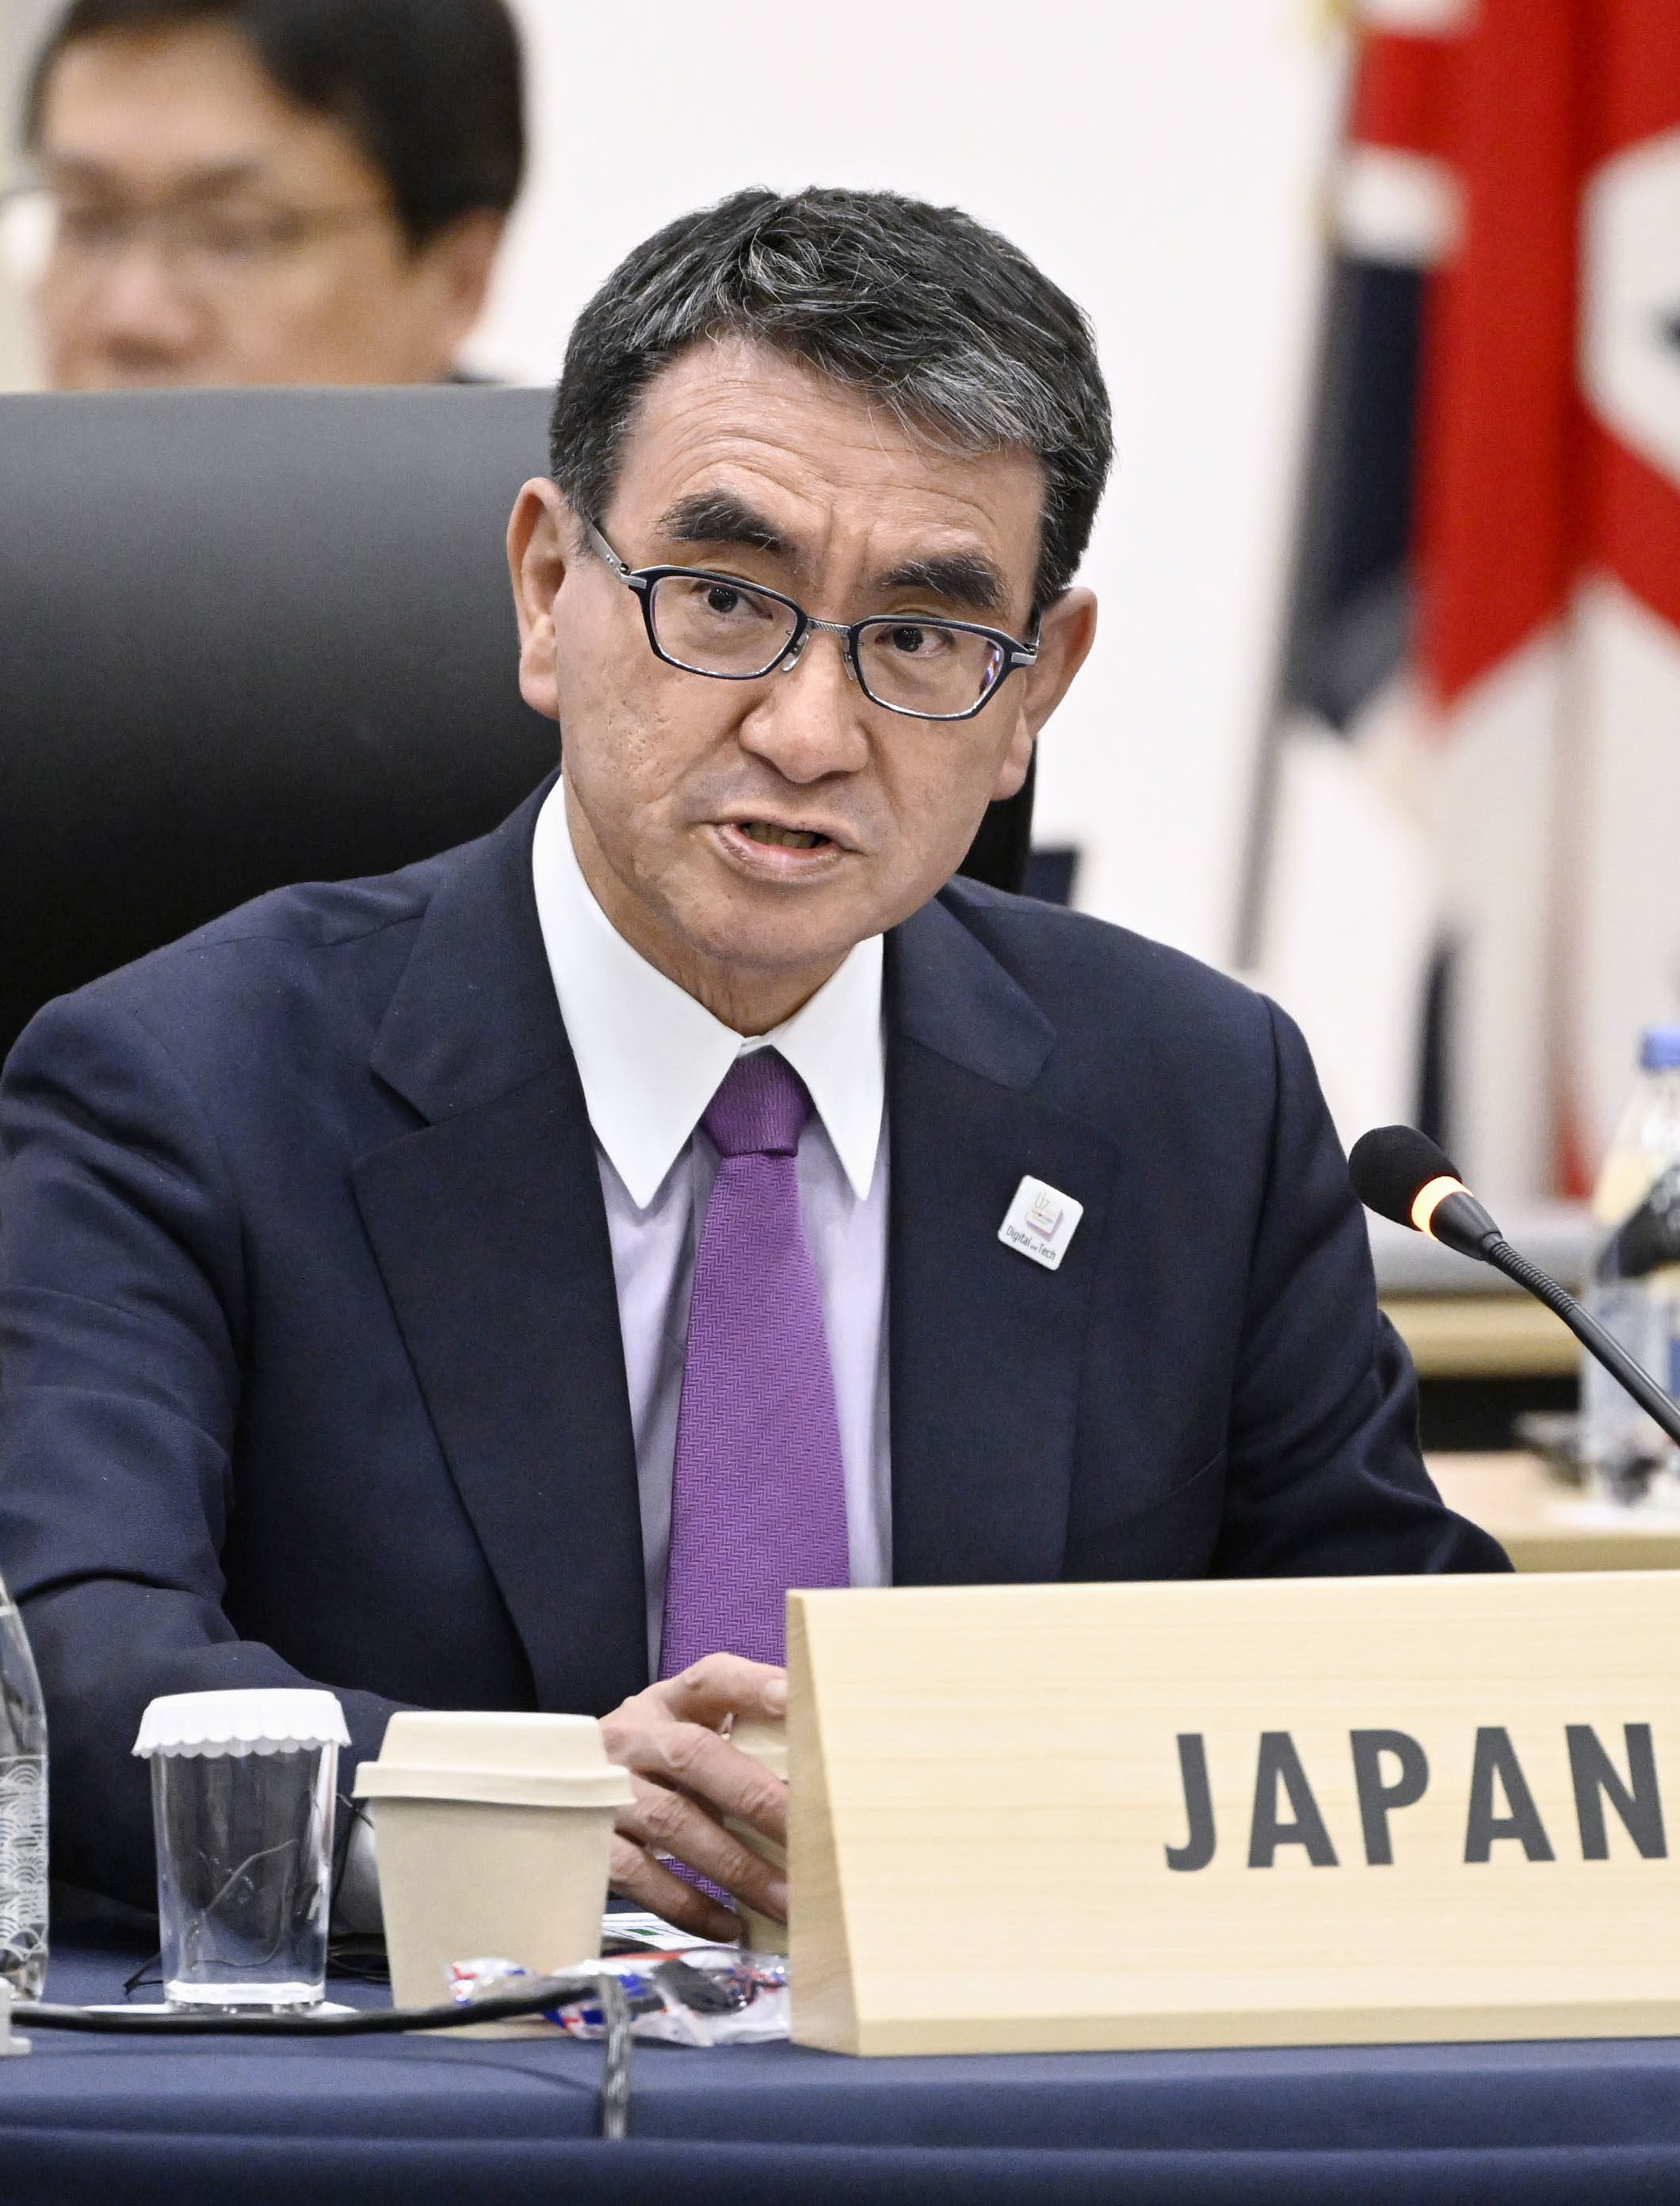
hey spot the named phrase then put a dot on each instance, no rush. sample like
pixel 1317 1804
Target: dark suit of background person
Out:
pixel 344 1397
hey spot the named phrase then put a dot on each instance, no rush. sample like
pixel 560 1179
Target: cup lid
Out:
pixel 270 1720
pixel 510 1757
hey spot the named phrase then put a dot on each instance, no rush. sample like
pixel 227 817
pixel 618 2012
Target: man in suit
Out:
pixel 494 1285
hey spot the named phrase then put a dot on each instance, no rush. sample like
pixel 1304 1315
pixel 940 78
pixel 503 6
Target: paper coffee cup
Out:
pixel 493 1834
pixel 765 1742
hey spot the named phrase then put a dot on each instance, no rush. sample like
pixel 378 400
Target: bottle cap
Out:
pixel 1659 1049
pixel 270 1720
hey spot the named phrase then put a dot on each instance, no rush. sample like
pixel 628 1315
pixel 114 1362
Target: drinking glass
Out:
pixel 242 1800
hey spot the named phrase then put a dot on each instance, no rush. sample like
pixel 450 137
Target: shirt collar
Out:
pixel 651 1057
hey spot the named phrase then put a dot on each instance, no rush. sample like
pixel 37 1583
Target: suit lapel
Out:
pixel 985 1345
pixel 491 1234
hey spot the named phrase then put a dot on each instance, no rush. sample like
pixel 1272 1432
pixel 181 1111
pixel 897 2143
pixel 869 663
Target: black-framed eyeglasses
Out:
pixel 214 244
pixel 735 631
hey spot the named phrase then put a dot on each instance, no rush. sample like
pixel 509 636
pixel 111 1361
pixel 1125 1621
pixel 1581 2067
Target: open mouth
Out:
pixel 782 838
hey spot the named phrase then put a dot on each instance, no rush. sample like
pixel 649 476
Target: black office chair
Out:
pixel 249 637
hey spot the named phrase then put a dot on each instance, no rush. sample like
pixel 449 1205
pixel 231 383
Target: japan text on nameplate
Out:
pixel 1261 1812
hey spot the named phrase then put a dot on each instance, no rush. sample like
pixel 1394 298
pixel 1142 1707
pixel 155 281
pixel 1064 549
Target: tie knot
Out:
pixel 761 1108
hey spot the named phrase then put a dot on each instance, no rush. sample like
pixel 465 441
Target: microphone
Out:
pixel 1401 1174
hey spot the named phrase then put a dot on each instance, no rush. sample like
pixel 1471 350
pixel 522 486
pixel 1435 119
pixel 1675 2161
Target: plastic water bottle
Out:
pixel 1634 1286
pixel 23 1812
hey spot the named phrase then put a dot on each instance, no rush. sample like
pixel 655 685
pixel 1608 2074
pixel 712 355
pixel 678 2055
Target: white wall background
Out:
pixel 21 23
pixel 1161 159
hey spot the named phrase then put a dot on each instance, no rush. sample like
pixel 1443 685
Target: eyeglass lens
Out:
pixel 75 239
pixel 715 627
pixel 719 628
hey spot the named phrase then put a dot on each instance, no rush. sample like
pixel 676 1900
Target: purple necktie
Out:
pixel 758 1491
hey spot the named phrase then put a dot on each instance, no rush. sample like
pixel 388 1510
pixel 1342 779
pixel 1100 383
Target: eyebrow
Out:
pixel 961 578
pixel 205 182
pixel 718 516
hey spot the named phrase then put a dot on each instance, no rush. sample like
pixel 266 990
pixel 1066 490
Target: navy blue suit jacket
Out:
pixel 309 1353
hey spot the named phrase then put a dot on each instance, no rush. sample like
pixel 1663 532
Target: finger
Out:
pixel 726 1684
pixel 694 1760
pixel 636 1875
pixel 666 1822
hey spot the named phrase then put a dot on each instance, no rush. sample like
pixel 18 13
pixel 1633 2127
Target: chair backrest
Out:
pixel 249 637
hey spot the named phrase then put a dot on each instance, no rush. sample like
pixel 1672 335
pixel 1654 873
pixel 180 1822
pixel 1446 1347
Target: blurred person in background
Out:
pixel 266 191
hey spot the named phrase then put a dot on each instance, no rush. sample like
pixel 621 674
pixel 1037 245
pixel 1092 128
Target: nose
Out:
pixel 807 719
pixel 137 314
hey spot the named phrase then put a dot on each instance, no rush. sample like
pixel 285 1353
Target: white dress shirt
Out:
pixel 651 1059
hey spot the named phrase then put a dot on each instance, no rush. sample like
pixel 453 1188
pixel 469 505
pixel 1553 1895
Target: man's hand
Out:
pixel 686 1775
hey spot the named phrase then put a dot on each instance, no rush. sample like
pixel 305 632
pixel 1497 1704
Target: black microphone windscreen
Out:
pixel 1390 1164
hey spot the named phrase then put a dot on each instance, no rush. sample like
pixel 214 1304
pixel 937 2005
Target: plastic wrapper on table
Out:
pixel 707 1996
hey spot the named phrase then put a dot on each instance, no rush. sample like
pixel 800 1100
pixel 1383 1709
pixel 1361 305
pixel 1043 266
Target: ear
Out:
pixel 1066 634
pixel 540 535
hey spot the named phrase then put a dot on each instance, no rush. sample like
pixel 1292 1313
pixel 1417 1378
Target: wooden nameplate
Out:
pixel 1257 1812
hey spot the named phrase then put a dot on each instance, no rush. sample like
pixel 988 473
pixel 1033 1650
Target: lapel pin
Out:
pixel 1040 1222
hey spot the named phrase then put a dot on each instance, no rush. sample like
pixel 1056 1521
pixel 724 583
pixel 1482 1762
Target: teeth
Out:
pixel 784 838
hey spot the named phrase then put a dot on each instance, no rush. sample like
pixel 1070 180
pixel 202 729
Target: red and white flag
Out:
pixel 1519 744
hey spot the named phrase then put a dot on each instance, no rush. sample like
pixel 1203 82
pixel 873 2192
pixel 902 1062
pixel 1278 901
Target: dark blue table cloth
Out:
pixel 412 2121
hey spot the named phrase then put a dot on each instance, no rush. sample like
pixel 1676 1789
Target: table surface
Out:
pixel 416 2120
pixel 1543 1525
pixel 1485 1336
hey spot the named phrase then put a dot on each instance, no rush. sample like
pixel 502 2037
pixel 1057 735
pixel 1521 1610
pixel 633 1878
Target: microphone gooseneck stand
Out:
pixel 1593 1337
pixel 1396 1170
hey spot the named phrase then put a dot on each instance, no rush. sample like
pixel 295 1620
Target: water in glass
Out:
pixel 244 1875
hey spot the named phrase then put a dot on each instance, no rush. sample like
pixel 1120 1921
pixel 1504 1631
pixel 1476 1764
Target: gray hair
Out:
pixel 943 321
